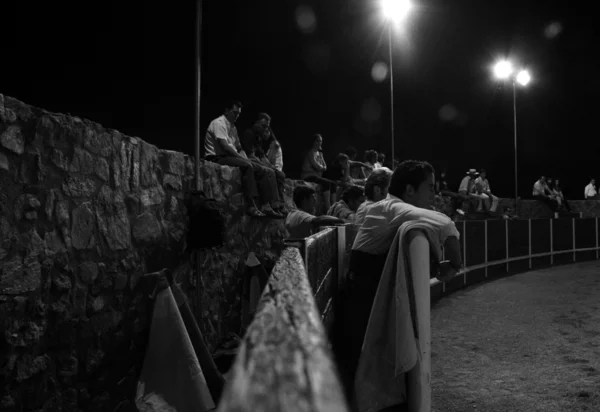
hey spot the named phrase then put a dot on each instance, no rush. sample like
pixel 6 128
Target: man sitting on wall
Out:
pixel 252 144
pixel 301 222
pixel 542 192
pixel 346 208
pixel 376 189
pixel 590 191
pixel 483 186
pixel 223 146
pixel 410 196
pixel 469 192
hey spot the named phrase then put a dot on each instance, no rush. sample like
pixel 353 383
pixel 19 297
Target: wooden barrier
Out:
pixel 285 362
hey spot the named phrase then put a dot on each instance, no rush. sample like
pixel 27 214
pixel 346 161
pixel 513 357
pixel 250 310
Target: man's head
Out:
pixel 413 181
pixel 233 110
pixel 543 179
pixel 371 156
pixel 262 124
pixel 342 160
pixel 381 158
pixel 317 141
pixel 353 196
pixel 593 181
pixel 351 152
pixel 305 199
pixel 472 173
pixel 483 174
pixel 378 184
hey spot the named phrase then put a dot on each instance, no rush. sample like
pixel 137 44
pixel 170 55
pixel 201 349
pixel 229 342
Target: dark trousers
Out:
pixel 256 183
pixel 551 203
pixel 356 300
pixel 276 180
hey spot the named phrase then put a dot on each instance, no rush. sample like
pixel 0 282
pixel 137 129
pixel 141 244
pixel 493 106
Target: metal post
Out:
pixel 486 247
pixel 197 45
pixel 574 242
pixel 551 243
pixel 391 89
pixel 529 220
pixel 515 129
pixel 597 251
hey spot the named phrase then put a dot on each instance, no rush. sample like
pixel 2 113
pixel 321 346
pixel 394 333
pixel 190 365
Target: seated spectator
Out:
pixel 222 146
pixel 340 172
pixel 469 193
pixel 356 171
pixel 483 187
pixel 447 201
pixel 252 143
pixel 541 192
pixel 370 160
pixel 376 189
pixel 346 208
pixel 560 197
pixel 301 222
pixel 312 171
pixel 590 191
pixel 273 148
pixel 380 160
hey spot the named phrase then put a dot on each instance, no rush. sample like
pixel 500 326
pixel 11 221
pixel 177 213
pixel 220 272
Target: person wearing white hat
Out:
pixel 468 191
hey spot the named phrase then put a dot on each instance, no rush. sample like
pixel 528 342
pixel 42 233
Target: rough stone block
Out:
pixel 12 139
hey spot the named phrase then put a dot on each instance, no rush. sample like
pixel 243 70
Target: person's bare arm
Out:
pixel 221 136
pixel 361 164
pixel 452 250
pixel 312 159
pixel 327 220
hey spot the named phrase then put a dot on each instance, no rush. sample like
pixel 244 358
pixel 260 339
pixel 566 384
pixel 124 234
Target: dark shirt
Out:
pixel 251 143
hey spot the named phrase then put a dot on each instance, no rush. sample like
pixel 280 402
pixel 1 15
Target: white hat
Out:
pixel 472 172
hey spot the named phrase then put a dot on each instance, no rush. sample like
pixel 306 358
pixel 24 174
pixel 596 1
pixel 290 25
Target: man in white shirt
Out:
pixel 411 194
pixel 590 190
pixel 223 146
pixel 376 189
pixel 469 191
pixel 301 222
pixel 542 192
pixel 483 186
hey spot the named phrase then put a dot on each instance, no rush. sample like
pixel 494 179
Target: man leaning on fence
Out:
pixel 411 192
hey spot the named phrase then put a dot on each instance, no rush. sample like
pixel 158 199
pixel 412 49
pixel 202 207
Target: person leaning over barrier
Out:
pixel 301 222
pixel 410 196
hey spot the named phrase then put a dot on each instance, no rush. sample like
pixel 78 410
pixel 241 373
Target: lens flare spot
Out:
pixel 448 113
pixel 306 19
pixel 553 29
pixel 379 72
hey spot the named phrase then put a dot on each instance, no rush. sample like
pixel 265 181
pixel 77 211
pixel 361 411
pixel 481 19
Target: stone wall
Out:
pixel 86 213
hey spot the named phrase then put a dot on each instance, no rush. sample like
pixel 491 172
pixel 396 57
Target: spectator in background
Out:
pixel 312 171
pixel 468 190
pixel 483 186
pixel 376 189
pixel 381 159
pixel 541 192
pixel 252 143
pixel 272 147
pixel 563 201
pixel 356 168
pixel 301 222
pixel 447 201
pixel 346 208
pixel 222 146
pixel 370 160
pixel 590 191
pixel 340 172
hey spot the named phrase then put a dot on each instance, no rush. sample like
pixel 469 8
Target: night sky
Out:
pixel 129 65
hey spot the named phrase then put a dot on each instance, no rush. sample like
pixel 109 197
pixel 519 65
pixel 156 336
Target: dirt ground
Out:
pixel 525 343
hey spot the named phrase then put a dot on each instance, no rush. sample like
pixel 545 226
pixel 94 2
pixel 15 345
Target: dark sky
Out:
pixel 129 65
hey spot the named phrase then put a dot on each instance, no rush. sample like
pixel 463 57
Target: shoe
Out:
pixel 254 212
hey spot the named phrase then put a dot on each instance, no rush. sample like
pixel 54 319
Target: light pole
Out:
pixel 503 70
pixel 198 77
pixel 394 11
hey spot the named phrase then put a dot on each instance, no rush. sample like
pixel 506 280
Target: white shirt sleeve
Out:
pixel 444 225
